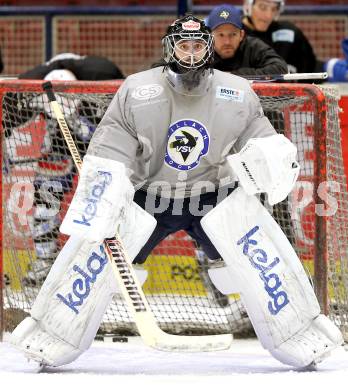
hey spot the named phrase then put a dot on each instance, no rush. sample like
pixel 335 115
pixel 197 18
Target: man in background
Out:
pixel 261 21
pixel 237 53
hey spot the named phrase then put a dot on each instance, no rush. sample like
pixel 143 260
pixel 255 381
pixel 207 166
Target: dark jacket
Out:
pixel 253 57
pixel 291 44
pixel 84 68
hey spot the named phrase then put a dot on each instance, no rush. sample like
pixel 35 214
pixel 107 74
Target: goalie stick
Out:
pixel 127 280
pixel 287 77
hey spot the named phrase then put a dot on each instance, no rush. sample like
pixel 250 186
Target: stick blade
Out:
pixel 155 337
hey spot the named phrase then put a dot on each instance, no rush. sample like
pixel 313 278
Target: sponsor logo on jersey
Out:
pixel 283 35
pixel 81 286
pixel 259 259
pixel 145 92
pixel 188 141
pixel 227 93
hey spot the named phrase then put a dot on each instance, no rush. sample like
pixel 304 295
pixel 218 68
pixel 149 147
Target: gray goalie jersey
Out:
pixel 176 145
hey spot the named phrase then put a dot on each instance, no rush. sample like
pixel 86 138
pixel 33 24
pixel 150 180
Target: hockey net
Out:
pixel 38 181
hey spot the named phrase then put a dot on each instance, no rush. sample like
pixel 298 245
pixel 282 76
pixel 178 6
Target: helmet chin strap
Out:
pixel 193 82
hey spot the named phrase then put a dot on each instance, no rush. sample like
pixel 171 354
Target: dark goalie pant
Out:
pixel 179 217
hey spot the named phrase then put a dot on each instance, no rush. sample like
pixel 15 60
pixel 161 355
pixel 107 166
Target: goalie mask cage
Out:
pixel 38 180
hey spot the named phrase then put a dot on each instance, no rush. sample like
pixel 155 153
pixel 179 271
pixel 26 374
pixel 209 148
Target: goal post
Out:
pixel 38 180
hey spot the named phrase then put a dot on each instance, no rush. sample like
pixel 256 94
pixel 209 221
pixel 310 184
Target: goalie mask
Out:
pixel 188 54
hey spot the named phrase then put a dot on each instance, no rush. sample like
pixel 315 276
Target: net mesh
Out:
pixel 337 226
pixel 39 179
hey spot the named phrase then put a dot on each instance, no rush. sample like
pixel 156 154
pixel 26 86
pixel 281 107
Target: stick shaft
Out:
pixel 288 76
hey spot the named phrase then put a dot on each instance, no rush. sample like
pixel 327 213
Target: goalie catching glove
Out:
pixel 267 165
pixel 103 195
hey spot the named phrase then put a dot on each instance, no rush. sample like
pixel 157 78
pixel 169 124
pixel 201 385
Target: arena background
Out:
pixel 129 32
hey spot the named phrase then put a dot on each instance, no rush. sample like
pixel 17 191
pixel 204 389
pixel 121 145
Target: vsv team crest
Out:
pixel 188 141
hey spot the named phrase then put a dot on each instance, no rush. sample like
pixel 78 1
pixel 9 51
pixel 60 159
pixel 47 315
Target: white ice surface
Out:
pixel 126 366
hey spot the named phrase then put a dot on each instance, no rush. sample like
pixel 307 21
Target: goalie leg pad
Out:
pixel 310 345
pixel 41 346
pixel 222 280
pixel 69 307
pixel 135 229
pixel 264 267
